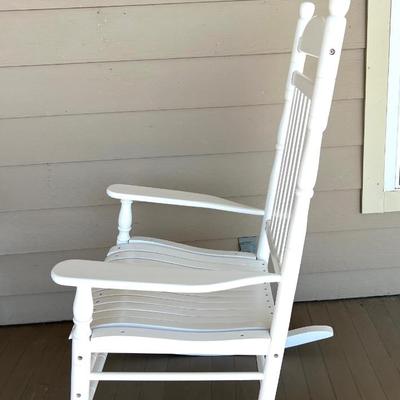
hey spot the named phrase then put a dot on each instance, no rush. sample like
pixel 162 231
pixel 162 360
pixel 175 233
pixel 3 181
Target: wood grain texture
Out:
pixel 316 374
pixel 341 357
pixel 385 326
pixel 359 363
pixel 335 362
pixel 384 366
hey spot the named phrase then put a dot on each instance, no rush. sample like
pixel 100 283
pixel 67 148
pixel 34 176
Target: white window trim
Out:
pixel 393 102
pixel 380 171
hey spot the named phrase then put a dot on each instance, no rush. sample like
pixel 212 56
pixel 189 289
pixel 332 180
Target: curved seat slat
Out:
pixel 168 247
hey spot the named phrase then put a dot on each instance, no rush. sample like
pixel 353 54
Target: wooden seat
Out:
pixel 231 310
pixel 156 296
pixel 223 316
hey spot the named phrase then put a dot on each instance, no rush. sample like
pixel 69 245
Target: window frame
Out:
pixel 380 193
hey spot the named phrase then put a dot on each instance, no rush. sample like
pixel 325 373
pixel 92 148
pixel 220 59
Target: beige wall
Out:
pixel 184 96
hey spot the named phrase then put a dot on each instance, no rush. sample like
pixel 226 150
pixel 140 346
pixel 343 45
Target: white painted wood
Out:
pixel 189 302
pixel 155 276
pixel 296 64
pixel 377 67
pixel 81 356
pixel 288 229
pixel 177 376
pixel 168 247
pixel 303 83
pixel 241 309
pixel 260 362
pixel 309 334
pixel 141 340
pixel 392 146
pixel 124 221
pixel 177 198
pixel 156 253
pixel 97 365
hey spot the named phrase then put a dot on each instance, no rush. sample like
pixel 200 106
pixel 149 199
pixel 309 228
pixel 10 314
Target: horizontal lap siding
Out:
pixel 142 32
pixel 185 95
pixel 148 134
pixel 83 184
pixel 74 35
pixel 158 84
pixel 39 230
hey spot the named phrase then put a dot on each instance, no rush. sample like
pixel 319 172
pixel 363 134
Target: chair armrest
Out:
pixel 153 276
pixel 179 198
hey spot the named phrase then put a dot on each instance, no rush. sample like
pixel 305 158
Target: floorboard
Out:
pixel 334 358
pixel 384 367
pixel 361 362
pixel 317 376
pixel 347 338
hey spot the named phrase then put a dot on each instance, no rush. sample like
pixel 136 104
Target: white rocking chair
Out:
pixel 158 297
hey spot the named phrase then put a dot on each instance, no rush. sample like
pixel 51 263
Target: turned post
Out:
pixel 124 222
pixel 81 355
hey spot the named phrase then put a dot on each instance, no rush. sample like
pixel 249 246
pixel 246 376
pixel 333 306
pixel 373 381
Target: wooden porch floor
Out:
pixel 361 362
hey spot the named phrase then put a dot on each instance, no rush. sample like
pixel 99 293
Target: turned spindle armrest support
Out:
pixel 129 193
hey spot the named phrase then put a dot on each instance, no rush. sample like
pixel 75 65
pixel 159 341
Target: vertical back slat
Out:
pixel 287 181
pixel 294 175
pixel 289 150
pixel 289 172
pixel 279 193
pixel 296 64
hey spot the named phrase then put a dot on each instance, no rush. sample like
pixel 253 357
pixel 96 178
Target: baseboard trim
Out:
pixel 33 308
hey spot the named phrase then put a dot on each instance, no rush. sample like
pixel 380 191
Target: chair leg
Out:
pixel 97 365
pixel 269 384
pixel 80 371
pixel 260 363
pixel 81 354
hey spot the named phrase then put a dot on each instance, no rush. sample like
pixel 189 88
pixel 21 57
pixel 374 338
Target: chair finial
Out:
pixel 307 10
pixel 339 8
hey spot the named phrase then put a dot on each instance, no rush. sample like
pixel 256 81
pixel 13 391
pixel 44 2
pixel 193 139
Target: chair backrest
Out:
pixel 305 116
